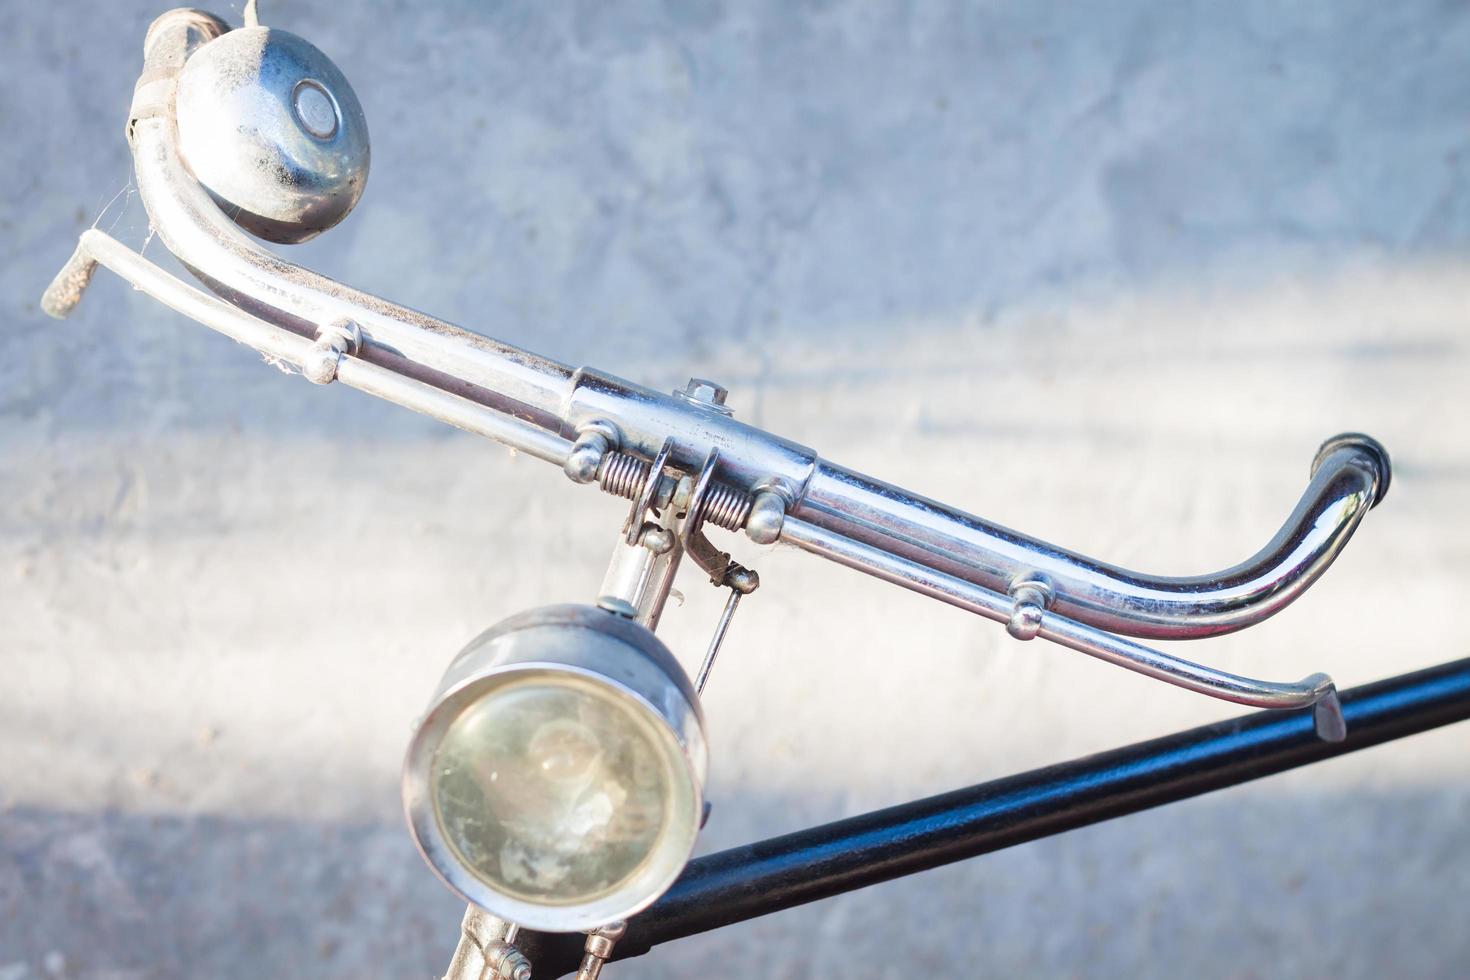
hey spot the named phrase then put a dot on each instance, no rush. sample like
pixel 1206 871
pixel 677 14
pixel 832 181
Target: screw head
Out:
pixel 700 390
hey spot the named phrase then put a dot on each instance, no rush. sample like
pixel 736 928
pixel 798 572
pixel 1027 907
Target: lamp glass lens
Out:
pixel 554 790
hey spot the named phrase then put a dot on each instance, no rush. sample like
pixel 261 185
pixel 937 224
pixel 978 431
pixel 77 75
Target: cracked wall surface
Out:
pixel 1104 273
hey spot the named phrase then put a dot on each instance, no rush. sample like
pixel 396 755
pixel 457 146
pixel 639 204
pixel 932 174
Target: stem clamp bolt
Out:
pixel 706 395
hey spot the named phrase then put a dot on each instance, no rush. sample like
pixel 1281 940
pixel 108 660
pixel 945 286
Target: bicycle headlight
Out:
pixel 557 777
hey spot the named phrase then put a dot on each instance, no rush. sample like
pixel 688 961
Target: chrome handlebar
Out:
pixel 713 468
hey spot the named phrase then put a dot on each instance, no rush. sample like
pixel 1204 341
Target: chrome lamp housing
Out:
pixel 557 777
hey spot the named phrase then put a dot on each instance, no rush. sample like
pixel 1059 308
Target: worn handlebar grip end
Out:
pixel 1382 464
pixel 65 291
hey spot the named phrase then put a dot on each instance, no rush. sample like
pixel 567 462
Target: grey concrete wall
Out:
pixel 1103 272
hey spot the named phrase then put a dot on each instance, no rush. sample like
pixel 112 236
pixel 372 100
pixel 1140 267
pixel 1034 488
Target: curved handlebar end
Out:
pixel 1382 464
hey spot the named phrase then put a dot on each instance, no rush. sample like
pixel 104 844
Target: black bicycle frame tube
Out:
pixel 768 876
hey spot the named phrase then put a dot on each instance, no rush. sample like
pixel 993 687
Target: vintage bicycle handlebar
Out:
pixel 602 429
pixel 682 460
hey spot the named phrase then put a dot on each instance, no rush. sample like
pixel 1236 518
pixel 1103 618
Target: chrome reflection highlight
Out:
pixel 274 131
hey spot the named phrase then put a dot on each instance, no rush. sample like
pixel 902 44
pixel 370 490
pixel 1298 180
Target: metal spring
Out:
pixel 726 507
pixel 622 475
